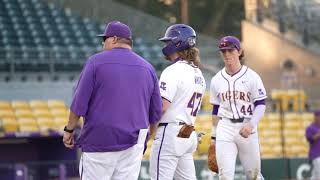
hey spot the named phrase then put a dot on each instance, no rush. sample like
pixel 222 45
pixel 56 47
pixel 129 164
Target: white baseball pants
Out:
pixel 229 143
pixel 119 165
pixel 171 156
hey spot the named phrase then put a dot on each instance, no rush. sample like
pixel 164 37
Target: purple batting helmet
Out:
pixel 178 37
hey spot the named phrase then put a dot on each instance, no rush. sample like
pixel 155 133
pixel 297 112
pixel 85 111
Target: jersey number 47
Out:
pixel 194 103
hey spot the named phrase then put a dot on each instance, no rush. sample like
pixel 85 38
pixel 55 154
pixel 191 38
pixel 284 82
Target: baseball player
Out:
pixel 238 98
pixel 181 86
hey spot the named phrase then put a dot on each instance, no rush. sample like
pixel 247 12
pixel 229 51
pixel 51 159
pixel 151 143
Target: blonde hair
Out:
pixel 192 55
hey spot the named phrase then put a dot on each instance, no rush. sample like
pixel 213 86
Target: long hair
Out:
pixel 192 55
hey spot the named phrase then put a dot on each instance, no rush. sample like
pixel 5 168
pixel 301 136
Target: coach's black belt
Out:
pixel 240 120
pixel 165 124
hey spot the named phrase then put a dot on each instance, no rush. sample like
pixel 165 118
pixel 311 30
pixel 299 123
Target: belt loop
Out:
pixel 162 124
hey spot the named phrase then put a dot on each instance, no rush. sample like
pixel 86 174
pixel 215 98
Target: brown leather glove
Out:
pixel 185 131
pixel 212 160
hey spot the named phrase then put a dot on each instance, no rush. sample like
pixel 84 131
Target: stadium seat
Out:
pixel 46 124
pixel 293 124
pixel 288 132
pixel 303 151
pixel 277 150
pixel 298 98
pixel 275 140
pixel 28 125
pixel 24 113
pixel 273 124
pixel 7 113
pixel 42 113
pixel 273 117
pixel 60 122
pixel 5 105
pixel 10 125
pixel 38 104
pixel 60 112
pixel 307 118
pixel 8 119
pixel 27 122
pixel 56 104
pixel 26 128
pixel 266 152
pixel 20 105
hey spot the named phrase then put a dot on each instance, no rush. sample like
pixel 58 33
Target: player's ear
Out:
pixel 114 40
pixel 240 51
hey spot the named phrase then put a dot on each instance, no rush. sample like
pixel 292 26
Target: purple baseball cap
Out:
pixel 229 42
pixel 118 29
pixel 317 112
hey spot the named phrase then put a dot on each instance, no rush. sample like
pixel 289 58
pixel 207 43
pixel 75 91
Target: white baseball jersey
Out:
pixel 183 85
pixel 236 94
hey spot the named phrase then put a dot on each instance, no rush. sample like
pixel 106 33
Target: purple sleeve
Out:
pixel 215 109
pixel 259 102
pixel 309 134
pixel 83 91
pixel 155 109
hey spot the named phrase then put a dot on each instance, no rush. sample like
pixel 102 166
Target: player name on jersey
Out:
pixel 199 80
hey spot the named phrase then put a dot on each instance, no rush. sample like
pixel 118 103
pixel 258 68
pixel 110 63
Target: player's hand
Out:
pixel 68 140
pixel 317 135
pixel 246 130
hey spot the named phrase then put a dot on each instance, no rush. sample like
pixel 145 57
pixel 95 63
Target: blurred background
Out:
pixel 44 44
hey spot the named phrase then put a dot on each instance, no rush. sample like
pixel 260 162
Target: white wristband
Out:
pixel 213 132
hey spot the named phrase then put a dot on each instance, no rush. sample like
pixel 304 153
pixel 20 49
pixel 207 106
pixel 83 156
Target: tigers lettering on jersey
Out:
pixel 234 95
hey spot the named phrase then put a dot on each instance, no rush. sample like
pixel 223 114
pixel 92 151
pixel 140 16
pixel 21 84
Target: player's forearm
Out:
pixel 152 129
pixel 257 114
pixel 73 120
pixel 215 120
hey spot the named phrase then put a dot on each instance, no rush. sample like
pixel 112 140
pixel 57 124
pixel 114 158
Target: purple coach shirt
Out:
pixel 117 94
pixel 314 151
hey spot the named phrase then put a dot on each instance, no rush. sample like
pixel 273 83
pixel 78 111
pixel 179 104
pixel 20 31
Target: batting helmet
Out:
pixel 178 37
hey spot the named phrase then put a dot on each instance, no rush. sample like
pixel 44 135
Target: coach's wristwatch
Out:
pixel 68 130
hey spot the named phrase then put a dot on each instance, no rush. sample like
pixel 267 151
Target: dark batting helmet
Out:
pixel 178 37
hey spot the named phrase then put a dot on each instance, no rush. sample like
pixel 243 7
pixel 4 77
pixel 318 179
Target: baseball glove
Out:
pixel 212 160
